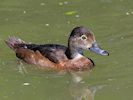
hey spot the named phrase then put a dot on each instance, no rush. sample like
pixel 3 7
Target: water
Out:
pixel 51 22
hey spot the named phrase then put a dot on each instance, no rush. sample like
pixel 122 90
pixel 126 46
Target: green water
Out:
pixel 50 21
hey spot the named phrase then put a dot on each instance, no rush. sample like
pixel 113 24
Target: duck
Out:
pixel 56 56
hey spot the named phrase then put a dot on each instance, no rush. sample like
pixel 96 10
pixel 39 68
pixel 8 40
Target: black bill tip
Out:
pixel 105 53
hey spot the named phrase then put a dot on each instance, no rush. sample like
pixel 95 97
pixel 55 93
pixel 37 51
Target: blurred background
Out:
pixel 51 21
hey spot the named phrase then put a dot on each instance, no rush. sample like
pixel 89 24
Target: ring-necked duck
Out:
pixel 59 57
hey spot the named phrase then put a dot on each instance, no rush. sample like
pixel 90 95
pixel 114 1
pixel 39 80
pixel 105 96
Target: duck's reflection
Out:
pixel 80 90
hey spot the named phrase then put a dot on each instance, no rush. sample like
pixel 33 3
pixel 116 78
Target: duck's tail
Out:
pixel 14 42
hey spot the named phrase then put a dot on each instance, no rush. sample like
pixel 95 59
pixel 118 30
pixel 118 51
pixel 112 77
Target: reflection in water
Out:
pixel 79 90
pixel 21 67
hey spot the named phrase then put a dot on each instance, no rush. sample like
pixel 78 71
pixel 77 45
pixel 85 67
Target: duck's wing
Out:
pixel 54 52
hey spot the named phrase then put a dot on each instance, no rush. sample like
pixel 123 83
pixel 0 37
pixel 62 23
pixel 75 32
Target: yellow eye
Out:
pixel 83 37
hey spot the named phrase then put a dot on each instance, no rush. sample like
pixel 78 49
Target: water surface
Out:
pixel 45 21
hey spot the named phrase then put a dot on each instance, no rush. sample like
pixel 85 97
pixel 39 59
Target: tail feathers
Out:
pixel 13 42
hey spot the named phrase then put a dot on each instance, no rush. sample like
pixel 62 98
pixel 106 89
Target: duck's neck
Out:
pixel 73 52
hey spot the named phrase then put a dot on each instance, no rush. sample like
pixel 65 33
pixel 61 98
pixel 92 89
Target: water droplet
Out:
pixel 65 2
pixel 111 79
pixel 26 84
pixel 127 13
pixel 24 12
pixel 60 3
pixel 42 4
pixel 77 16
pixel 46 24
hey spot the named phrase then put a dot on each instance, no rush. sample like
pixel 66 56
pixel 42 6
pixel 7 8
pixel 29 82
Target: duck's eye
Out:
pixel 83 37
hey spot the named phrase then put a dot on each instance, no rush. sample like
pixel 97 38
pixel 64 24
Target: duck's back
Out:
pixel 53 52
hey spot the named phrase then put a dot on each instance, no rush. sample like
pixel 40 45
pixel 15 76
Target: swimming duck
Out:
pixel 59 57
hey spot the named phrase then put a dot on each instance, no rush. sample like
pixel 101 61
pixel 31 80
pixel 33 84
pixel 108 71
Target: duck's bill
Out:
pixel 95 48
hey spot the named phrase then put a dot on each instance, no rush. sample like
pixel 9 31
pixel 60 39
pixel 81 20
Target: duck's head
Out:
pixel 82 38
